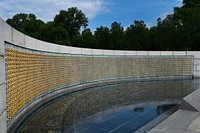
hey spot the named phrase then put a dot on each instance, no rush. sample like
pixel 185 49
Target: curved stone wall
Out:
pixel 31 67
pixel 30 73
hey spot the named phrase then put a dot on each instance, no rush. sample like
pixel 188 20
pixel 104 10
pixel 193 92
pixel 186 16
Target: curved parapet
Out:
pixel 31 68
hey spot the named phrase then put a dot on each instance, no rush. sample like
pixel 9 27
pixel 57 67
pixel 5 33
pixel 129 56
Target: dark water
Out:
pixel 114 108
pixel 124 121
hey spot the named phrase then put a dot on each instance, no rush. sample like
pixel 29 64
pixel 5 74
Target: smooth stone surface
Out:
pixel 2 98
pixel 18 37
pixel 194 99
pixel 2 70
pixel 195 125
pixel 3 122
pixel 176 123
pixel 191 131
pixel 1 37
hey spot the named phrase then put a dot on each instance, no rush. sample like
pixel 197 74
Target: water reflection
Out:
pixel 128 120
pixel 63 113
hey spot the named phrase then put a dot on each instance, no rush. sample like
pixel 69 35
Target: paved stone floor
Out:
pixel 182 121
pixel 194 127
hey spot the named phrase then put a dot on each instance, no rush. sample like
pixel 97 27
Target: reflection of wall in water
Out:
pixel 62 113
pixel 164 108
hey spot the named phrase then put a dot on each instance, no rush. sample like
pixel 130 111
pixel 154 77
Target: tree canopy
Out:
pixel 178 31
pixel 26 23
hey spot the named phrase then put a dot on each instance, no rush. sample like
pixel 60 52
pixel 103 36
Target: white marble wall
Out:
pixel 3 110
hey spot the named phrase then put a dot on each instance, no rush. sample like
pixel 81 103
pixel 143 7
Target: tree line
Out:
pixel 178 31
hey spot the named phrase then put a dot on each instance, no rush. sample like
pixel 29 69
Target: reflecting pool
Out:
pixel 126 120
pixel 124 107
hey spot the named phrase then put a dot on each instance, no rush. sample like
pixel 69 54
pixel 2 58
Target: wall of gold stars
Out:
pixel 30 73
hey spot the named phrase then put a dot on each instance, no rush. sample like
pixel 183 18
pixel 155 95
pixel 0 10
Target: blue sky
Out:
pixel 99 12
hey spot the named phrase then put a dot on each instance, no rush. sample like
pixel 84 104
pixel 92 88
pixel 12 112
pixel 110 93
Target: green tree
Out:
pixel 87 39
pixel 72 20
pixel 54 34
pixel 167 35
pixel 102 35
pixel 188 18
pixel 137 36
pixel 26 23
pixel 117 36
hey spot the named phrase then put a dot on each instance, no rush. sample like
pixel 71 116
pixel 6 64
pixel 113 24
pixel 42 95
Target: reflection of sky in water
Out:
pixel 62 113
pixel 126 121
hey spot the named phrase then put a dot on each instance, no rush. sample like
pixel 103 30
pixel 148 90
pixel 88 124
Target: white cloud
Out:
pixel 164 15
pixel 47 9
pixel 149 25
